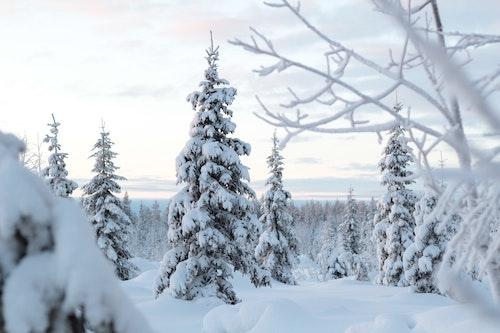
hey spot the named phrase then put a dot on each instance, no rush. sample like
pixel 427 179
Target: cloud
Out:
pixel 371 167
pixel 306 160
pixel 150 184
pixel 142 91
pixel 303 188
pixel 328 187
pixel 143 184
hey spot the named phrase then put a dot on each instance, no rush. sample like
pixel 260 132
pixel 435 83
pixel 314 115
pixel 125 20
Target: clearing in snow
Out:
pixel 335 306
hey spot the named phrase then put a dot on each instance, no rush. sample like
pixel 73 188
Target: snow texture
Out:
pixel 342 305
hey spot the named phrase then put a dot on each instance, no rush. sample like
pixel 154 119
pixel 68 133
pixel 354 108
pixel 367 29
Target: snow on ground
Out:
pixel 333 306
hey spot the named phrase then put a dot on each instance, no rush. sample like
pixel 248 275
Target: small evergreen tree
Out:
pixel 350 240
pixel 277 247
pixel 105 211
pixel 157 234
pixel 140 246
pixel 348 229
pixel 212 229
pixel 55 173
pixel 331 261
pixel 127 207
pixel 132 229
pixel 394 222
pixel 368 248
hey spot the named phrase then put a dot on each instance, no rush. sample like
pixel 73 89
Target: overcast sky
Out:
pixel 132 64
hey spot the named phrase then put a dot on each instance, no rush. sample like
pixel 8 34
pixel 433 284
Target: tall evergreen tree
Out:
pixel 105 210
pixel 394 223
pixel 277 247
pixel 211 225
pixel 55 173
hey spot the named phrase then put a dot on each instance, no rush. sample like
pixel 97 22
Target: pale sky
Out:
pixel 132 64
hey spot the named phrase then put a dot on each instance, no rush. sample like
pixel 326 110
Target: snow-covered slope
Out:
pixel 334 306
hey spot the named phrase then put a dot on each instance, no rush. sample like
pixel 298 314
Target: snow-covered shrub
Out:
pixel 394 222
pixel 52 276
pixel 105 211
pixel 212 228
pixel 55 173
pixel 277 247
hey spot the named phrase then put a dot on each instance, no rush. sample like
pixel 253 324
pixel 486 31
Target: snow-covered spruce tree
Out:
pixel 434 229
pixel 127 208
pixel 277 247
pixel 132 229
pixel 350 247
pixel 157 234
pixel 105 210
pixel 55 173
pixel 330 259
pixel 212 229
pixel 52 276
pixel 421 257
pixel 142 230
pixel 394 222
pixel 368 247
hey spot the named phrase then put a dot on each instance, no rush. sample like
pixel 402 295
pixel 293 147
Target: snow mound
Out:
pixel 385 323
pixel 277 315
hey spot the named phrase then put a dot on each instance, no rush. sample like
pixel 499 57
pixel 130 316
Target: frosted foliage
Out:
pixel 43 287
pixel 434 228
pixel 350 238
pixel 55 173
pixel 212 229
pixel 150 232
pixel 334 264
pixel 105 211
pixel 394 222
pixel 476 245
pixel 277 246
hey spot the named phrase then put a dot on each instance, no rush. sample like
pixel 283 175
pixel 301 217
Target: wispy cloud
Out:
pixel 142 91
pixel 306 160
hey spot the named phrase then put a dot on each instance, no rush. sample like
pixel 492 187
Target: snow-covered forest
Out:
pixel 225 251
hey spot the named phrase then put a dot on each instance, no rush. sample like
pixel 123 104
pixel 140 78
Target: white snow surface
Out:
pixel 343 306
